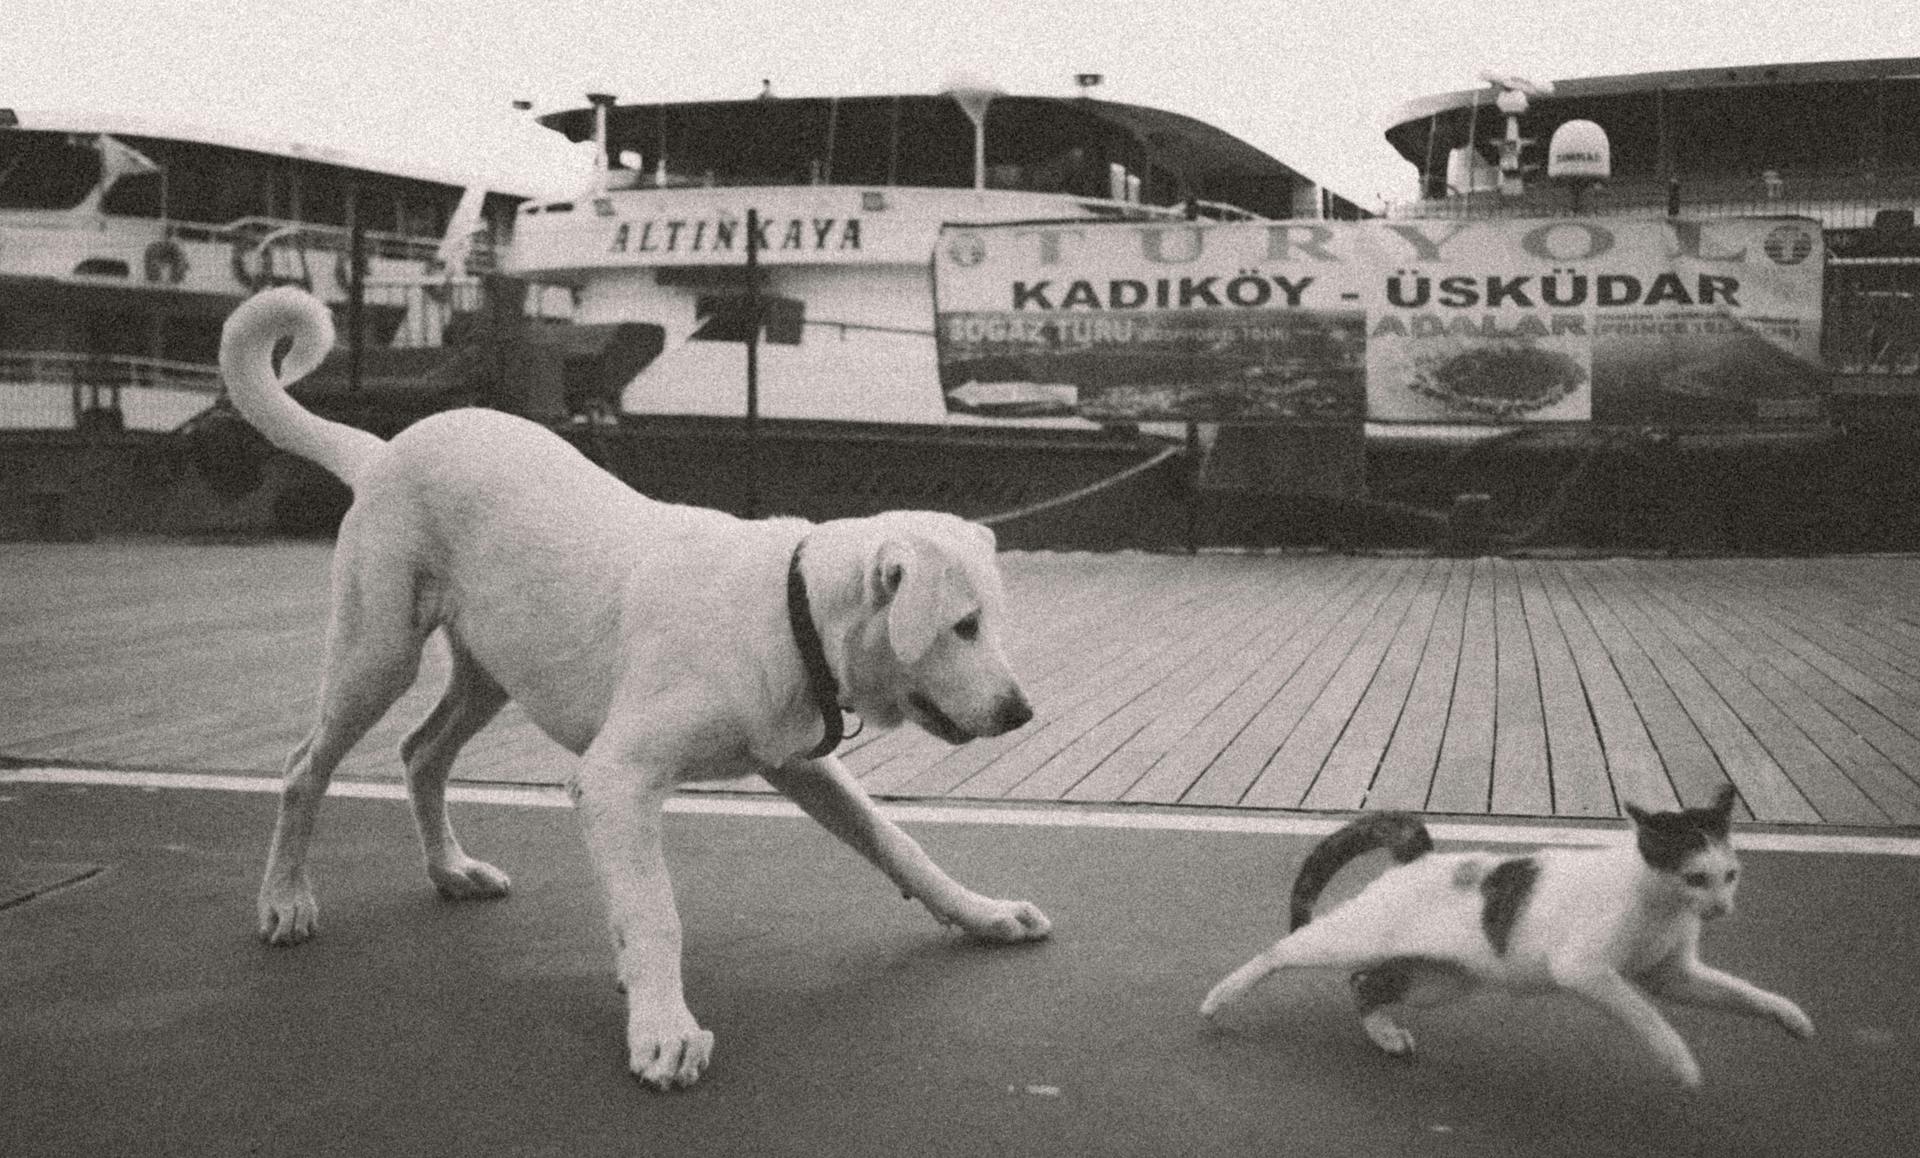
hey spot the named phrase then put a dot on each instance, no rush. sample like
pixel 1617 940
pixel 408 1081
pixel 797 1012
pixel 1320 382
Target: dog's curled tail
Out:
pixel 246 362
pixel 1400 833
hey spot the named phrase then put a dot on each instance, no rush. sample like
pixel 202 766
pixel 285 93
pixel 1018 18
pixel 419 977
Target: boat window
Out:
pixel 1900 123
pixel 323 195
pixel 1045 146
pixel 133 195
pixel 1742 131
pixel 45 170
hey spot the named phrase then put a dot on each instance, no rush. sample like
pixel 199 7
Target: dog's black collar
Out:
pixel 820 681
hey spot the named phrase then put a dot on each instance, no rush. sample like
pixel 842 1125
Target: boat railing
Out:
pixel 312 235
pixel 1836 200
pixel 94 384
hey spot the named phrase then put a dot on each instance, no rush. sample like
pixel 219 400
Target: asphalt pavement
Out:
pixel 139 1015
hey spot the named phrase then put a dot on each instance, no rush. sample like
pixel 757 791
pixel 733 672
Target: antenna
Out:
pixel 1513 82
pixel 1514 91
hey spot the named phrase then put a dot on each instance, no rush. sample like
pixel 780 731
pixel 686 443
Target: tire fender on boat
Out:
pixel 167 262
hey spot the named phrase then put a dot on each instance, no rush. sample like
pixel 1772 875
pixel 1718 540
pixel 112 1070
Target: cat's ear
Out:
pixel 1640 817
pixel 1718 816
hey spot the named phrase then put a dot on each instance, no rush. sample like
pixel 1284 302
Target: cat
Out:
pixel 1612 925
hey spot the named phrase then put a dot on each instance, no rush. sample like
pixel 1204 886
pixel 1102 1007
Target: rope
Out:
pixel 1083 492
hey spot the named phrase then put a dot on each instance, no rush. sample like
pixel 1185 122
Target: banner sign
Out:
pixel 1620 321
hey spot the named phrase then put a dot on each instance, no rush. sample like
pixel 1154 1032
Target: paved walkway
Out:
pixel 138 1015
pixel 1525 688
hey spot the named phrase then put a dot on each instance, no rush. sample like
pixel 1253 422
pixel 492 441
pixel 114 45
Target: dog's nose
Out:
pixel 1014 711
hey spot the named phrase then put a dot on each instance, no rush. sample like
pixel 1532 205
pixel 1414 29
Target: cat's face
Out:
pixel 1692 852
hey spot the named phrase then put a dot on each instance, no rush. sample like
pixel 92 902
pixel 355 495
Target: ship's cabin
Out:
pixel 135 175
pixel 1839 141
pixel 1122 157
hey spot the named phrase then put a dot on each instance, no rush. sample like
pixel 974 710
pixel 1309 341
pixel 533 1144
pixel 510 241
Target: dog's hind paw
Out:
pixel 468 879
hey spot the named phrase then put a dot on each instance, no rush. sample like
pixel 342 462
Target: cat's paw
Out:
pixel 1793 1020
pixel 1392 1037
pixel 1687 1072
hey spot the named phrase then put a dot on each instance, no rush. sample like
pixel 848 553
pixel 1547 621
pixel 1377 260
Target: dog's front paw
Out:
pixel 1007 922
pixel 468 879
pixel 668 1056
pixel 288 915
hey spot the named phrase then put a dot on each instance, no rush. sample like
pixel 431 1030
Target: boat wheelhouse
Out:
pixel 1836 143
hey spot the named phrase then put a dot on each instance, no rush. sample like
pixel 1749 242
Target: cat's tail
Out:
pixel 1400 833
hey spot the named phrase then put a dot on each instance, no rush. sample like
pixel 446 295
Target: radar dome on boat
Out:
pixel 1579 152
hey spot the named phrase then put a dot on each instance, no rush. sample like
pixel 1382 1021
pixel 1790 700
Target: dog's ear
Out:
pixel 909 584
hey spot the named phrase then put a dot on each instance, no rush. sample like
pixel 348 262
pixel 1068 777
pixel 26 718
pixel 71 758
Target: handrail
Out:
pixel 112 370
pixel 332 238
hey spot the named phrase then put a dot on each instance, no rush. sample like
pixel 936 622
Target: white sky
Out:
pixel 1312 81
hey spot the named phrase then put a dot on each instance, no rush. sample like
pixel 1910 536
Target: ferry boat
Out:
pixel 125 243
pixel 1836 143
pixel 847 196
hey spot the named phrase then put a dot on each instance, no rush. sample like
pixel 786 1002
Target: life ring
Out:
pixel 167 262
pixel 253 265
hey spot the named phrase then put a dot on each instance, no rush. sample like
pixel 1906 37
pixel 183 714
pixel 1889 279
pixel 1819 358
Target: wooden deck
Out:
pixel 1529 687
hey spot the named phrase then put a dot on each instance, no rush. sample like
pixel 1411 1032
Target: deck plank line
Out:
pixel 1692 770
pixel 1888 766
pixel 1871 773
pixel 1631 761
pixel 1145 729
pixel 1354 762
pixel 1405 776
pixel 1463 776
pixel 1522 782
pixel 1577 769
pixel 1815 776
pixel 1120 776
pixel 1241 759
pixel 1004 762
pixel 1100 726
pixel 1150 607
pixel 1763 784
pixel 1171 777
pixel 1298 761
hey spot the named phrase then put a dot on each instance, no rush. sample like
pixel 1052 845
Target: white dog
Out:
pixel 660 643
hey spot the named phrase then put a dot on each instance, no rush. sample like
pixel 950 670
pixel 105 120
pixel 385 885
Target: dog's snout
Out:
pixel 1014 711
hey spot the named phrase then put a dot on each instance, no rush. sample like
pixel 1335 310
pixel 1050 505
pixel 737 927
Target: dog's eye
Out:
pixel 968 628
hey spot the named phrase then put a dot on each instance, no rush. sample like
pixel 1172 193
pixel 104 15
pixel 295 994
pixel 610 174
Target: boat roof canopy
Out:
pixel 1044 144
pixel 1825 116
pixel 119 125
pixel 1629 102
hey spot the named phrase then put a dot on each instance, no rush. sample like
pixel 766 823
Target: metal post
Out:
pixel 1193 488
pixel 753 364
pixel 356 299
